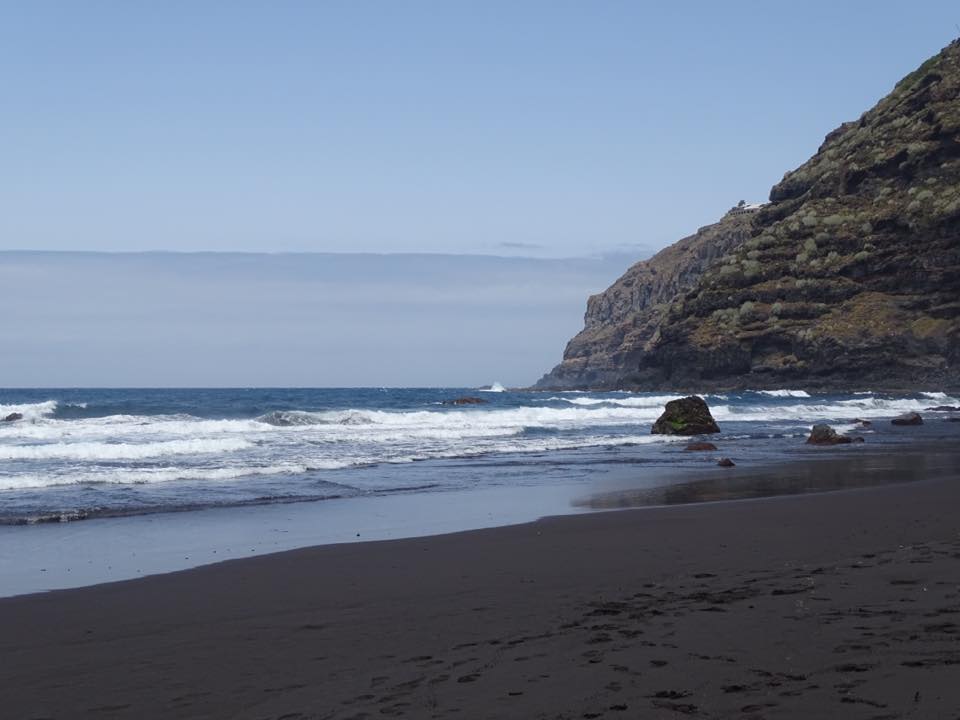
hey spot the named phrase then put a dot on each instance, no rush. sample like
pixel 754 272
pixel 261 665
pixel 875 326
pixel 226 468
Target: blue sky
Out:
pixel 525 128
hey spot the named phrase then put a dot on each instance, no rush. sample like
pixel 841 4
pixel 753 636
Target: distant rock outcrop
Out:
pixel 849 278
pixel 686 416
pixel 623 322
pixel 466 401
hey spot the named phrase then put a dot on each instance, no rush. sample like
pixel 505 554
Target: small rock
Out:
pixel 686 416
pixel 857 439
pixel 466 401
pixel 944 408
pixel 826 435
pixel 910 418
pixel 13 416
pixel 862 423
pixel 700 446
pixel 726 462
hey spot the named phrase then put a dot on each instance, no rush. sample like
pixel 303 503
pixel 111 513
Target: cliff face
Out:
pixel 622 323
pixel 849 278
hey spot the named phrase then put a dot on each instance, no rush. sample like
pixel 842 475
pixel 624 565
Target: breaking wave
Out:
pixel 30 411
pixel 119 451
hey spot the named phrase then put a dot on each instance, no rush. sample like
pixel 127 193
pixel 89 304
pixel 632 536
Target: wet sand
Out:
pixel 843 604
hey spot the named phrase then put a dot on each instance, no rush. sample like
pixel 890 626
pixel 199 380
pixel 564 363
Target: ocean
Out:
pixel 79 454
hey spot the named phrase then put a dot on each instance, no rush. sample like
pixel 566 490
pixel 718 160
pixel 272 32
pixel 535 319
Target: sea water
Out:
pixel 87 453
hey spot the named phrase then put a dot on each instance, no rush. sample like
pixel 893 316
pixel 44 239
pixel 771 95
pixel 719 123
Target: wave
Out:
pixel 292 418
pixel 147 476
pixel 495 388
pixel 98 451
pixel 640 401
pixel 30 411
pixel 144 476
pixel 785 393
pixel 863 407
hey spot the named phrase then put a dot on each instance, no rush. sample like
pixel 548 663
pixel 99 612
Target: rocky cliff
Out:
pixel 849 278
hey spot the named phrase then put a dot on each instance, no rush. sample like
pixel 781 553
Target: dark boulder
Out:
pixel 826 435
pixel 944 408
pixel 726 462
pixel 686 416
pixel 701 446
pixel 13 416
pixel 910 418
pixel 466 401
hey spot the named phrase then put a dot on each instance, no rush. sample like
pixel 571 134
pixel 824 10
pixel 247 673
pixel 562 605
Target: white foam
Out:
pixel 495 387
pixel 785 393
pixel 143 476
pixel 30 411
pixel 99 451
pixel 640 401
pixel 862 406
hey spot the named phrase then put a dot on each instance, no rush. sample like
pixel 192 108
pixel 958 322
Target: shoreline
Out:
pixel 818 605
pixel 120 548
pixel 117 548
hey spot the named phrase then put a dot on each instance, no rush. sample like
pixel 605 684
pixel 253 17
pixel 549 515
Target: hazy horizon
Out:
pixel 170 319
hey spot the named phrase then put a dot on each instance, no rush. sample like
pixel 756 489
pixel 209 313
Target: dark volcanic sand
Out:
pixel 839 605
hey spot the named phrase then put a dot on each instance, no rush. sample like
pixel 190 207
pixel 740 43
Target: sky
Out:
pixel 548 129
pixel 489 164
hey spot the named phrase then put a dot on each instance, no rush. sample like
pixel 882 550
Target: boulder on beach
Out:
pixel 466 401
pixel 826 435
pixel 910 418
pixel 686 416
pixel 726 462
pixel 13 416
pixel 701 446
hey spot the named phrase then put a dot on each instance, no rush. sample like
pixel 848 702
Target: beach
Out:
pixel 837 604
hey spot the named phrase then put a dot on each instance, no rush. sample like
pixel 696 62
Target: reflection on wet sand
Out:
pixel 804 476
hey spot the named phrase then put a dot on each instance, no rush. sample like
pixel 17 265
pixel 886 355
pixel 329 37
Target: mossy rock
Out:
pixel 686 416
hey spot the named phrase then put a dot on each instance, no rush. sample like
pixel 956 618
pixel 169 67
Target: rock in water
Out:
pixel 826 435
pixel 726 462
pixel 911 418
pixel 701 446
pixel 686 416
pixel 944 408
pixel 13 416
pixel 466 401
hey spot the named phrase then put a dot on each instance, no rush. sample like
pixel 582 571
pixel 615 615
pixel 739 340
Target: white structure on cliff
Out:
pixel 745 208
